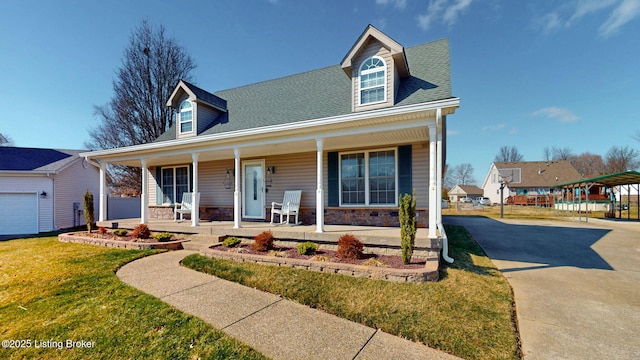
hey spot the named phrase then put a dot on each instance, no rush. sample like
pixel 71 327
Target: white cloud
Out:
pixel 567 15
pixel 561 114
pixel 452 132
pixel 446 11
pixel 493 127
pixel 626 11
pixel 586 7
pixel 398 4
pixel 550 22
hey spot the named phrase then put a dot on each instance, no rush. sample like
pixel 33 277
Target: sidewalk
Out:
pixel 276 327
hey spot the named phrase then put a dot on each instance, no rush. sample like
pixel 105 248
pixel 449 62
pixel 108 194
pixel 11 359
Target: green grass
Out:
pixel 468 313
pixel 53 291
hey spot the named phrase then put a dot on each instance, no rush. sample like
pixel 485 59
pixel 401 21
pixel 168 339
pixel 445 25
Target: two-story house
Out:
pixel 352 136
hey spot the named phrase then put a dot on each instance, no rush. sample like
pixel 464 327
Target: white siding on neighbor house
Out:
pixel 70 185
pixel 373 48
pixel 34 185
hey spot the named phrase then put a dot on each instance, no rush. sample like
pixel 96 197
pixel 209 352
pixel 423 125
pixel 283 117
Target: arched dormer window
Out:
pixel 373 81
pixel 186 117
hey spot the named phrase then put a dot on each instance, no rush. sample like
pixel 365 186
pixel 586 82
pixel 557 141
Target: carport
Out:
pixel 578 193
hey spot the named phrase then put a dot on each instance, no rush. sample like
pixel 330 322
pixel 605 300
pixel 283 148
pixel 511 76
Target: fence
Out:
pixel 123 208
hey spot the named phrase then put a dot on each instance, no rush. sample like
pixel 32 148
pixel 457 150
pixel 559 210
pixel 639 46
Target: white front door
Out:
pixel 253 190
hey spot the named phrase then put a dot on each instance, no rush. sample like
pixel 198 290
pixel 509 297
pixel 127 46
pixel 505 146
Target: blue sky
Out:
pixel 530 74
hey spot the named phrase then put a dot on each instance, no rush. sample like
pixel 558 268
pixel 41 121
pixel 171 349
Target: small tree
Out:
pixel 89 218
pixel 407 214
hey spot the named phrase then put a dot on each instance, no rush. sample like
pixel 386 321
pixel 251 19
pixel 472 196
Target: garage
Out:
pixel 18 213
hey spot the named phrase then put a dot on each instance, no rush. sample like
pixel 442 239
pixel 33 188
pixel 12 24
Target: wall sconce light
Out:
pixel 270 171
pixel 227 182
pixel 43 194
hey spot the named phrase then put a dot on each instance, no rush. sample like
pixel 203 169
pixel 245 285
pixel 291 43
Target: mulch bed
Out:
pixel 391 261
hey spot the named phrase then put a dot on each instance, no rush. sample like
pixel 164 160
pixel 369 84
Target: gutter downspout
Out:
pixel 443 233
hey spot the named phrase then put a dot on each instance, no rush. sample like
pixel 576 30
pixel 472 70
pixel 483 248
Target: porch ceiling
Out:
pixel 402 124
pixel 290 146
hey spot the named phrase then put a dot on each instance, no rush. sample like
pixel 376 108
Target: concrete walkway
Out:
pixel 576 285
pixel 278 328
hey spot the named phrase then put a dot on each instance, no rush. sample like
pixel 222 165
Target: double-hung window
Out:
pixel 368 178
pixel 175 182
pixel 186 117
pixel 373 81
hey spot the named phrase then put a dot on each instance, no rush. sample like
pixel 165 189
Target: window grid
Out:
pixel 368 178
pixel 186 117
pixel 372 81
pixel 175 182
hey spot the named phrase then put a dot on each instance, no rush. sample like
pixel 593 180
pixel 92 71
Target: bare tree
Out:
pixel 460 175
pixel 6 140
pixel 508 154
pixel 588 164
pixel 547 154
pixel 152 65
pixel 558 154
pixel 619 159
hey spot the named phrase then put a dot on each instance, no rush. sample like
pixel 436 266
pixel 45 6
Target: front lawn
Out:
pixel 468 313
pixel 52 292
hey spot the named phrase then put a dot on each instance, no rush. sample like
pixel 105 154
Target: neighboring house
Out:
pixel 353 137
pixel 41 189
pixel 459 191
pixel 528 179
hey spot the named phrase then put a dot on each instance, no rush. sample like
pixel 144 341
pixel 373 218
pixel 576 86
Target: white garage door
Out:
pixel 18 213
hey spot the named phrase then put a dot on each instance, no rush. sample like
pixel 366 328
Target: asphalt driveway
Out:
pixel 576 285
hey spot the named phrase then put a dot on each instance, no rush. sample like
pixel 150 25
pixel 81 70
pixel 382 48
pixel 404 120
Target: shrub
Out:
pixel 349 247
pixel 375 262
pixel 307 248
pixel 89 217
pixel 102 230
pixel 407 217
pixel 263 241
pixel 231 241
pixel 120 232
pixel 141 232
pixel 165 236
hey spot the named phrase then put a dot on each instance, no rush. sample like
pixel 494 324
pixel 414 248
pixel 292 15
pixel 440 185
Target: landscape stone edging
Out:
pixel 428 273
pixel 73 237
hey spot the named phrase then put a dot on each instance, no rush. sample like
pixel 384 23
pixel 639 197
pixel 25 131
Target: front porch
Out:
pixel 379 240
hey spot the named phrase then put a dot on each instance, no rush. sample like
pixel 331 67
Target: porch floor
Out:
pixel 209 231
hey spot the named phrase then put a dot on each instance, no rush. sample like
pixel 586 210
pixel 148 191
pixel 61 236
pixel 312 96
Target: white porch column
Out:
pixel 195 210
pixel 144 199
pixel 237 194
pixel 439 165
pixel 319 190
pixel 102 210
pixel 433 183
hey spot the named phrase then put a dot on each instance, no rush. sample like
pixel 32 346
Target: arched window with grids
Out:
pixel 373 81
pixel 186 117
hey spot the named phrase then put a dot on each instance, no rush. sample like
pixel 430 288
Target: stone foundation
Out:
pixel 332 215
pixel 428 273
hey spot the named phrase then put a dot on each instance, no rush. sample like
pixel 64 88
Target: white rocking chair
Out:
pixel 290 205
pixel 185 206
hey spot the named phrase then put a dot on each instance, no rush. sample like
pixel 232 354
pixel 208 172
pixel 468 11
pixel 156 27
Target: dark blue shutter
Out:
pixel 159 195
pixel 404 170
pixel 333 191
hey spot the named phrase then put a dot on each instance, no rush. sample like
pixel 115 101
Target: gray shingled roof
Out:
pixel 326 92
pixel 207 96
pixel 33 159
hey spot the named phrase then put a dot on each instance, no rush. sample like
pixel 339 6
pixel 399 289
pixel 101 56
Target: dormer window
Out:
pixel 373 81
pixel 186 117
